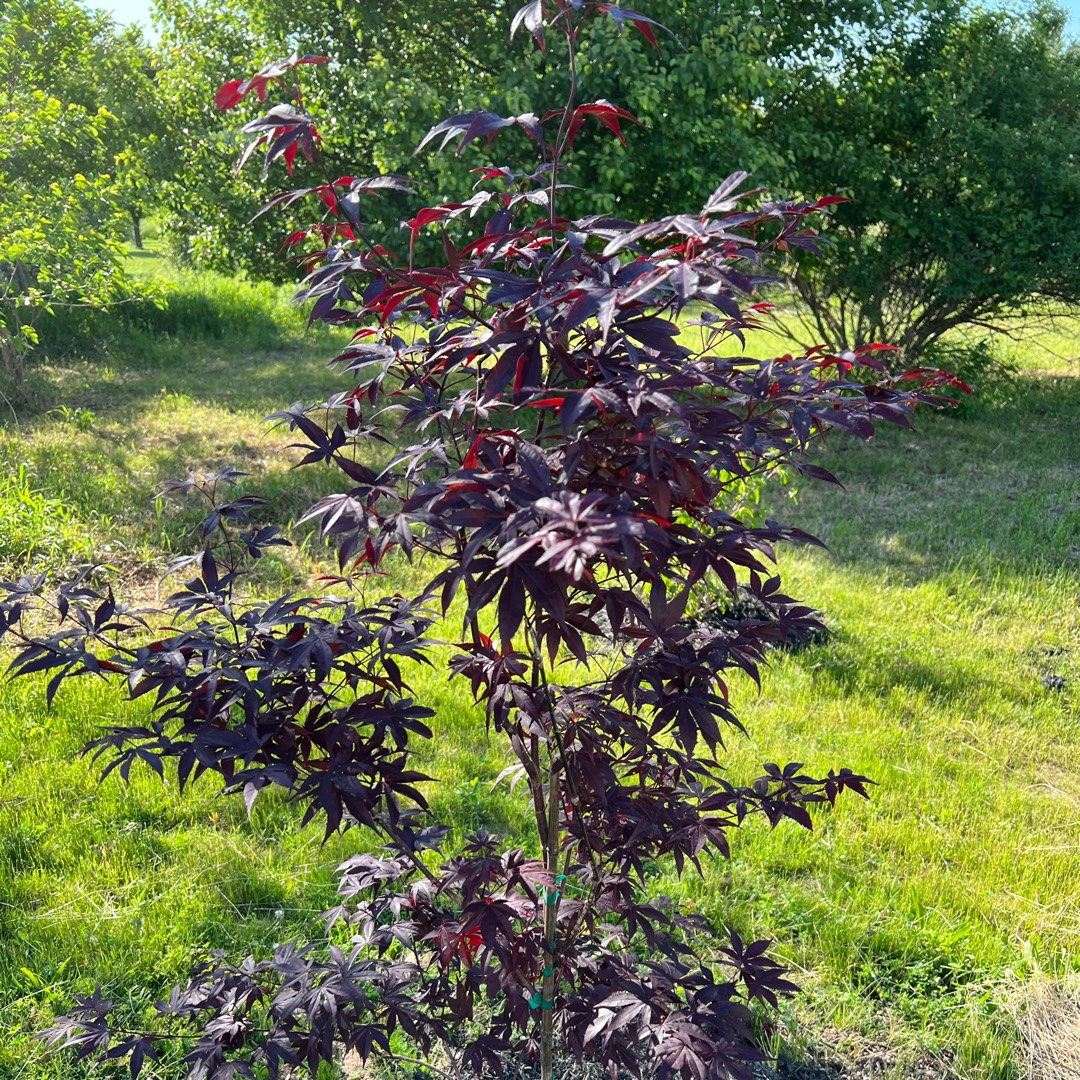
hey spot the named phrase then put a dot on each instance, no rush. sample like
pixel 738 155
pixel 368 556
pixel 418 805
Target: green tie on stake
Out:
pixel 551 897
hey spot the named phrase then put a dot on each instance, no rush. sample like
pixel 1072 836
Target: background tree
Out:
pixel 60 239
pixel 59 242
pixel 952 130
pixel 708 86
pixel 957 141
pixel 205 207
pixel 373 103
pixel 79 136
pixel 80 57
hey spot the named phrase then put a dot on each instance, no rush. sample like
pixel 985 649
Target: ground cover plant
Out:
pixel 595 518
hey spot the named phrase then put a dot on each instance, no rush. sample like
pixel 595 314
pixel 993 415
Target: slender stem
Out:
pixel 551 920
pixel 550 841
pixel 564 124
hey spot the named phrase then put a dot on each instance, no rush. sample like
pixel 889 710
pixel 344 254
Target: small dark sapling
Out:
pixel 561 454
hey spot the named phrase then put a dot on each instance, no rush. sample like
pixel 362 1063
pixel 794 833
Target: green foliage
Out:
pixel 705 99
pixel 386 84
pixel 954 131
pixel 82 58
pixel 76 129
pixel 204 207
pixel 59 242
pixel 392 74
pixel 957 141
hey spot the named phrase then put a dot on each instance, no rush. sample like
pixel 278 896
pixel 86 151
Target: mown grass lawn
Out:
pixel 952 585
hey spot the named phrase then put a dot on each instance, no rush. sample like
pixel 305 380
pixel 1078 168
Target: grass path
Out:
pixel 953 678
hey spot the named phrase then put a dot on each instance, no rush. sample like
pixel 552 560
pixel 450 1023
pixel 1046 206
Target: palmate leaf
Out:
pixel 230 94
pixel 481 125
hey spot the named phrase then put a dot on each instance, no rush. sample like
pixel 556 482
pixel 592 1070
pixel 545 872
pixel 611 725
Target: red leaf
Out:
pixel 829 200
pixel 608 115
pixel 492 172
pixel 229 95
pixel 642 23
pixel 472 460
pixel 643 27
pixel 429 214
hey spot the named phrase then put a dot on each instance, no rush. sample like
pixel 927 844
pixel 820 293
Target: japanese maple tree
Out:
pixel 548 419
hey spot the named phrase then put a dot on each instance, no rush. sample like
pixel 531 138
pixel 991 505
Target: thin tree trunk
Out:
pixel 551 913
pixel 11 354
pixel 136 227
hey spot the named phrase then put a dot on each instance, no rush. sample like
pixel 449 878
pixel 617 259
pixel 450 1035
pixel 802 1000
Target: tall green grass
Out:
pixel 191 306
pixel 36 529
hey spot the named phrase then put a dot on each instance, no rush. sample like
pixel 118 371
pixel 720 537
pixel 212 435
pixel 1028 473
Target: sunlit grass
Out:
pixel 952 678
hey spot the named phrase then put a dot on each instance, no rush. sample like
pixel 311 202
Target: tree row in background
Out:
pixel 953 131
pixel 79 135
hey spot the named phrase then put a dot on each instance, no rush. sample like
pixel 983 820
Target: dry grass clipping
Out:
pixel 1047 1016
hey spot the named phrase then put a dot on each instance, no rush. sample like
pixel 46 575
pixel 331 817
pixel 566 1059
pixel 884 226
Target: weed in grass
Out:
pixel 37 530
pixel 74 418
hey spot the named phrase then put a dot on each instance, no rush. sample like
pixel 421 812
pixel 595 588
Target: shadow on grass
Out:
pixel 844 673
pixel 130 375
pixel 998 490
pixel 143 254
pixel 239 344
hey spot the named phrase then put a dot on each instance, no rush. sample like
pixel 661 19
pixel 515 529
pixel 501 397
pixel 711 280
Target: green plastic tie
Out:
pixel 536 1000
pixel 549 971
pixel 560 879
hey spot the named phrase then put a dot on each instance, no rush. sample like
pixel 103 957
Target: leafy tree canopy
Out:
pixel 82 58
pixel 952 131
pixel 958 147
pixel 64 76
